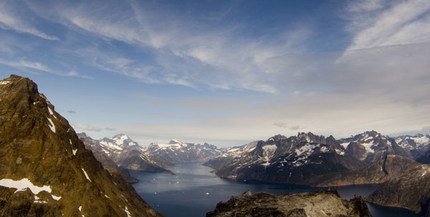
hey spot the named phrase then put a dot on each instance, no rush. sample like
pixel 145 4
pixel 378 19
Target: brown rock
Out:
pixel 37 144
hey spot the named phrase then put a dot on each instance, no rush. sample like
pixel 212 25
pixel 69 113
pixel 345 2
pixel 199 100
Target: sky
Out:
pixel 224 72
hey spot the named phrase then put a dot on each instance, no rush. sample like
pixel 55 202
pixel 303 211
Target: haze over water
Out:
pixel 194 191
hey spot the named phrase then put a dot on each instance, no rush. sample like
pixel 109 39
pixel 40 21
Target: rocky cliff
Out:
pixel 411 190
pixel 45 169
pixel 316 204
pixel 280 159
pixel 390 166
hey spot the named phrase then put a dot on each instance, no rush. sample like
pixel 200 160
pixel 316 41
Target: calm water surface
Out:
pixel 194 191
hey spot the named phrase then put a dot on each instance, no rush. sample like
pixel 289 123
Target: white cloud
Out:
pixel 9 21
pixel 87 127
pixel 198 54
pixel 404 22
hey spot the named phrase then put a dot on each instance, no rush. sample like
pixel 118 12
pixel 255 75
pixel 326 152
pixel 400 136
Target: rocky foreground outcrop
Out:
pixel 45 169
pixel 316 204
pixel 411 190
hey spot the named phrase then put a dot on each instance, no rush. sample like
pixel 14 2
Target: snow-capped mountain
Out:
pixel 371 146
pixel 118 143
pixel 126 153
pixel 417 145
pixel 284 160
pixel 178 152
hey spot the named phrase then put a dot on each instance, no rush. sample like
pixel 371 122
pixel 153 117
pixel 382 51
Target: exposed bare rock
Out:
pixel 411 190
pixel 45 169
pixel 390 166
pixel 316 204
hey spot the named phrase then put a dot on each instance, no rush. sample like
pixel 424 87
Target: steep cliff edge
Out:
pixel 45 169
pixel 316 204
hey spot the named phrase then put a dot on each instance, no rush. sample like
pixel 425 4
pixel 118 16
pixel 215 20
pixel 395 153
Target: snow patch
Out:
pixel 345 144
pixel 368 146
pixel 5 82
pixel 38 200
pixel 50 111
pixel 421 140
pixel 268 153
pixel 271 148
pixel 51 125
pixel 80 208
pixel 111 145
pixel 23 184
pixel 233 149
pixel 304 149
pixel 74 151
pixel 127 212
pixel 340 152
pixel 86 175
pixel 324 149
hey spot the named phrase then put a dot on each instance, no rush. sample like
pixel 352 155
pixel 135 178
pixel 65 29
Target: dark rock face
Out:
pixel 323 203
pixel 284 160
pixel 178 152
pixel 389 167
pixel 425 158
pixel 46 170
pixel 411 190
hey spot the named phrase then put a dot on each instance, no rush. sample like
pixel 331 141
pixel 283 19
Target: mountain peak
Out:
pixel 40 151
pixel 174 141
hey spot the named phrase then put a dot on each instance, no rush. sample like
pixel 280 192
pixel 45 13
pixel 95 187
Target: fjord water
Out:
pixel 194 190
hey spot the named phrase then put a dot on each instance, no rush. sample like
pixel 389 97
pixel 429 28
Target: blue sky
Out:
pixel 224 72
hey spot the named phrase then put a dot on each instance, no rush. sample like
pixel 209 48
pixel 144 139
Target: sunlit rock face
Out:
pixel 323 203
pixel 295 159
pixel 45 169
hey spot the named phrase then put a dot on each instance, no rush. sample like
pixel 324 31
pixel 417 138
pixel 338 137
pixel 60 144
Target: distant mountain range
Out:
pixel 178 152
pixel 126 153
pixel 297 159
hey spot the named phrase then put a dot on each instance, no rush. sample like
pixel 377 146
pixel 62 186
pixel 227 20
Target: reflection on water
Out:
pixel 195 190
